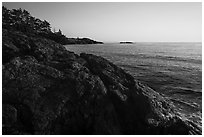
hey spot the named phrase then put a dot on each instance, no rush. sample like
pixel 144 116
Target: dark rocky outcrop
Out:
pixel 141 109
pixel 62 39
pixel 49 90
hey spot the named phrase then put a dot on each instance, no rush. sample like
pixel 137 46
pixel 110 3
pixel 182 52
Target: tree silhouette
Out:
pixel 21 20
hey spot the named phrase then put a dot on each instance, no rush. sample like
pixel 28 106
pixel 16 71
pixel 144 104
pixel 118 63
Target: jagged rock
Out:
pixel 52 102
pixel 49 90
pixel 140 109
pixel 18 44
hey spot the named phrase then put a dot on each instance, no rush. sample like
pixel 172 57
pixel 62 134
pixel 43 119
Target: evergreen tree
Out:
pixel 22 20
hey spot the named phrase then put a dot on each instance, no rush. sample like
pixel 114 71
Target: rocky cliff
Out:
pixel 49 90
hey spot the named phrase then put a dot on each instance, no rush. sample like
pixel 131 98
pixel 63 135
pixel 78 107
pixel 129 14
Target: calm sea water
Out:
pixel 172 69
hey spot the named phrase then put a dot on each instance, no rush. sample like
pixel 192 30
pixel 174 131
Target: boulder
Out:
pixel 49 101
pixel 140 109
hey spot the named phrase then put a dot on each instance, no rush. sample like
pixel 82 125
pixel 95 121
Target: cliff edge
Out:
pixel 49 90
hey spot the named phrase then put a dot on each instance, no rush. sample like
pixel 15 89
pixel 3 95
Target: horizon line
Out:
pixel 153 41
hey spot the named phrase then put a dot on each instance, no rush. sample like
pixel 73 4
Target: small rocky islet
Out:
pixel 47 89
pixel 126 42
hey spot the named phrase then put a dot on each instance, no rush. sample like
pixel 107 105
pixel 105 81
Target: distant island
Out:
pixel 126 42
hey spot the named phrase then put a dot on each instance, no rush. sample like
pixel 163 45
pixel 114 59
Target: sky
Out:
pixel 113 22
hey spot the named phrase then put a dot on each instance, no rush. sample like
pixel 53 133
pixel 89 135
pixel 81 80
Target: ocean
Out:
pixel 172 69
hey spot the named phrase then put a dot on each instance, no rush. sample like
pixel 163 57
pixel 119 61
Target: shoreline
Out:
pixel 48 90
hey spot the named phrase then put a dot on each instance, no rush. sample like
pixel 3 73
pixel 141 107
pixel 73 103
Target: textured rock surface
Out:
pixel 49 90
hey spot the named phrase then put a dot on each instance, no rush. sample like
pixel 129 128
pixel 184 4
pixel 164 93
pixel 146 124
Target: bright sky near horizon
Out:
pixel 113 22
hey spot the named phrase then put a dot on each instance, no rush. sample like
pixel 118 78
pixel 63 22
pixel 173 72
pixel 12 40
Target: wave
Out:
pixel 191 105
pixel 182 90
pixel 166 58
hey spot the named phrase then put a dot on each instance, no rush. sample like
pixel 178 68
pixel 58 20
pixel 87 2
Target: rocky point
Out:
pixel 49 90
